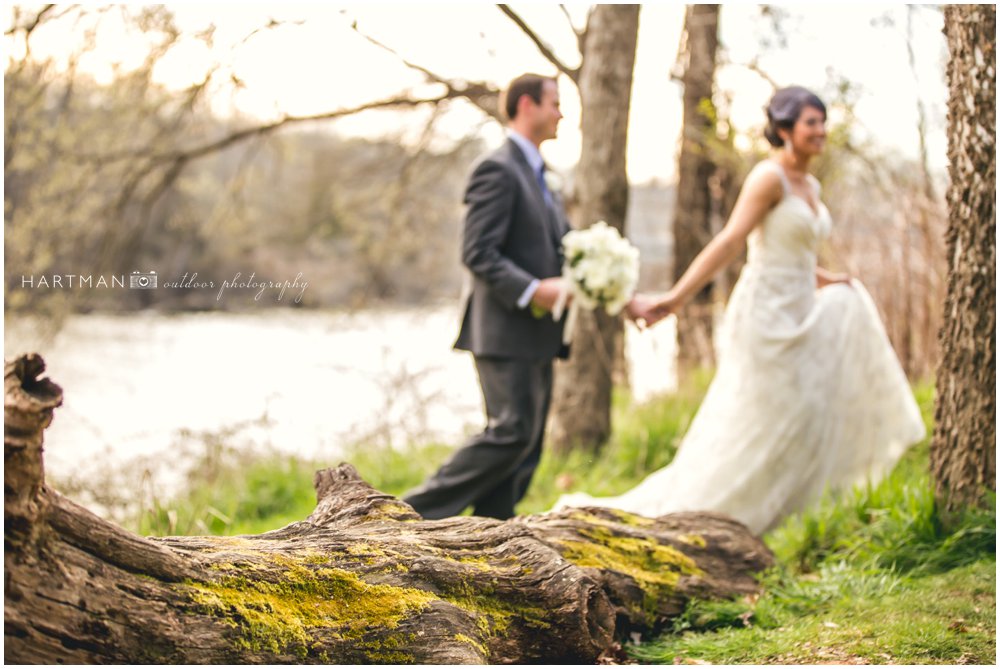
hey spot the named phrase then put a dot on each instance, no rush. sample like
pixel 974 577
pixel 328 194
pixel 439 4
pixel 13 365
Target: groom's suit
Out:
pixel 512 236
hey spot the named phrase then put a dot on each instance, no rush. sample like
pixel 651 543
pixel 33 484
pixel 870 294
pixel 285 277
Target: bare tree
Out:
pixel 113 176
pixel 149 171
pixel 693 215
pixel 963 451
pixel 581 413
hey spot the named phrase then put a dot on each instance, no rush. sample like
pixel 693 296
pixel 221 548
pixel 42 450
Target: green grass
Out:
pixel 228 491
pixel 847 615
pixel 868 576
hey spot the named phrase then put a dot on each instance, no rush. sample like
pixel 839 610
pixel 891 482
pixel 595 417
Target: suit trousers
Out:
pixel 492 471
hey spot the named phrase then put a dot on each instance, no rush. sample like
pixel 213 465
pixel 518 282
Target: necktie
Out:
pixel 540 175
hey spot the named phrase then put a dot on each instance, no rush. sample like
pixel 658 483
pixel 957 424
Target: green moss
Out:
pixel 622 518
pixel 275 602
pixel 693 540
pixel 387 650
pixel 494 613
pixel 477 562
pixel 655 567
pixel 276 615
pixel 313 557
pixel 632 519
pixel 475 644
pixel 391 510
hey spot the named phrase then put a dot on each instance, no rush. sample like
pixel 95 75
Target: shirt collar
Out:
pixel 530 151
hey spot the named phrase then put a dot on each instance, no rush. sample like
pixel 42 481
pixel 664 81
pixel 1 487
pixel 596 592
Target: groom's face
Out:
pixel 547 114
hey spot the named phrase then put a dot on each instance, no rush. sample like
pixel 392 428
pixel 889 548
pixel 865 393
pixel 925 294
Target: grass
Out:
pixel 230 491
pixel 846 615
pixel 869 576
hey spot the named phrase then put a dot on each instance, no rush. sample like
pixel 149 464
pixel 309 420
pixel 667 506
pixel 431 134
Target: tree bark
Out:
pixel 581 413
pixel 963 455
pixel 693 213
pixel 362 580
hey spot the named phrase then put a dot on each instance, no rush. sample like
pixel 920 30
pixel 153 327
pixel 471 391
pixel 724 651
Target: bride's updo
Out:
pixel 784 109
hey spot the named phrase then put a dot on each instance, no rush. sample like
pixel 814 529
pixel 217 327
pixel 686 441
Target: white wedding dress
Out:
pixel 808 393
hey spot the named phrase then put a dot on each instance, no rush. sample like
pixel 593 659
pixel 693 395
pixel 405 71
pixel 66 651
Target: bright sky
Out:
pixel 321 64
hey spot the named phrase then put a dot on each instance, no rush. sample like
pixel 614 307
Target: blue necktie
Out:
pixel 541 184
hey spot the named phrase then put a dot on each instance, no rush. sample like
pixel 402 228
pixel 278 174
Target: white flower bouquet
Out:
pixel 601 269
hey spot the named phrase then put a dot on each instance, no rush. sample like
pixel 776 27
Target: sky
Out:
pixel 316 63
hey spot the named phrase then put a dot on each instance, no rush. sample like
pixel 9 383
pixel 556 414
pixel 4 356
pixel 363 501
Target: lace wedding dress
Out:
pixel 808 393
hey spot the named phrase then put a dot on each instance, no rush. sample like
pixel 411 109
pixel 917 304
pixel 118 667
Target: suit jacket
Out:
pixel 511 236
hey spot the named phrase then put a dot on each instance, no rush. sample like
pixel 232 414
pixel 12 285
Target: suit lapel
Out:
pixel 553 220
pixel 529 173
pixel 550 216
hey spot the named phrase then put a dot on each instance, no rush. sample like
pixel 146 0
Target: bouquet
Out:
pixel 601 270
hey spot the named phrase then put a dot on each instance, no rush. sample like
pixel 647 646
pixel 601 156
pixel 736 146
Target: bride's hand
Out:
pixel 662 307
pixel 826 278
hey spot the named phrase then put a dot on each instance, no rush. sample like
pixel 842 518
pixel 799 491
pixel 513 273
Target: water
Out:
pixel 303 382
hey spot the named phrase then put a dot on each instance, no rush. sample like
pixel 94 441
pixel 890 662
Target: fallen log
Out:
pixel 363 579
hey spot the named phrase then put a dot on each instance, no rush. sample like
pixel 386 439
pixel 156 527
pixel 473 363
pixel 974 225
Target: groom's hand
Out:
pixel 662 307
pixel 638 310
pixel 547 293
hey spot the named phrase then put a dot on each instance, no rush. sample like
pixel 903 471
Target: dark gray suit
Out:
pixel 511 236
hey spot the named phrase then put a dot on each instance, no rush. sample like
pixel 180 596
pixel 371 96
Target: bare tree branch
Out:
pixel 543 48
pixel 580 34
pixel 488 105
pixel 271 25
pixel 32 24
pixel 179 158
pixel 569 19
pixel 754 67
pixel 681 59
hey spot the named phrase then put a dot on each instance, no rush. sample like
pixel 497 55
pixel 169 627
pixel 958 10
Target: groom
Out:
pixel 512 245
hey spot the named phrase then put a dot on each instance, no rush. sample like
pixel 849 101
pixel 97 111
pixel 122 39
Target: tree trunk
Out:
pixel 581 413
pixel 693 213
pixel 362 580
pixel 963 456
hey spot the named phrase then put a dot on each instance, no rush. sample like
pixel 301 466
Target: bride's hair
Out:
pixel 784 109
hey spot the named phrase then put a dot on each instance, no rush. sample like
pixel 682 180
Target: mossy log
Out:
pixel 363 579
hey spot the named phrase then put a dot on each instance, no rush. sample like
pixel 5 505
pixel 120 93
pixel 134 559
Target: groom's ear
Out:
pixel 524 103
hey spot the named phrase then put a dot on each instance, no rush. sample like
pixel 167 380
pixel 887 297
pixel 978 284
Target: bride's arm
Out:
pixel 761 192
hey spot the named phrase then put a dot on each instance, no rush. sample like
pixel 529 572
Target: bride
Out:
pixel 808 393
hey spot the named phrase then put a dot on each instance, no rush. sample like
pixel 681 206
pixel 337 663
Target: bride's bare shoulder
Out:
pixel 764 183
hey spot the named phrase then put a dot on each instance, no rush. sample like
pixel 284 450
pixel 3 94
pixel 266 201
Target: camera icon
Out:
pixel 142 280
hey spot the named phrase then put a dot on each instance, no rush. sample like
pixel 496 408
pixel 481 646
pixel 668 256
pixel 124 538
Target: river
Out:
pixel 145 385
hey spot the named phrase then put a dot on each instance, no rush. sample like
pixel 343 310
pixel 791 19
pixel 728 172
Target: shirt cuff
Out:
pixel 529 292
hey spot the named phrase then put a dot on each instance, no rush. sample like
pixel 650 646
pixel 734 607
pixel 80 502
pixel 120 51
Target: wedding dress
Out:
pixel 808 393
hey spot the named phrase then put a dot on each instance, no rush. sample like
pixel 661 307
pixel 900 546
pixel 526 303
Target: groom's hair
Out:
pixel 526 84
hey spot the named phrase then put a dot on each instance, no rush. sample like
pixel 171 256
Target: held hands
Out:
pixel 647 310
pixel 643 309
pixel 638 308
pixel 662 307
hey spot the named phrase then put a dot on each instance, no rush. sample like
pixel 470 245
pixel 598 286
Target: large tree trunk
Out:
pixel 963 456
pixel 362 580
pixel 693 213
pixel 581 413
